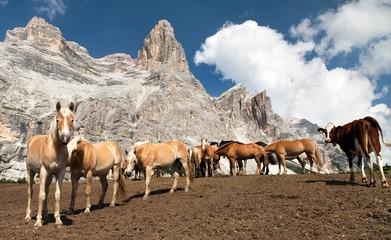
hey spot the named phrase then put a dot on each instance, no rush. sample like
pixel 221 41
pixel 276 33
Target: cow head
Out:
pixel 330 133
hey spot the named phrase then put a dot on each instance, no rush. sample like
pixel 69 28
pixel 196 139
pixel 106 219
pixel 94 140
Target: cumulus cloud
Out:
pixel 3 3
pixel 358 25
pixel 260 58
pixel 295 74
pixel 51 7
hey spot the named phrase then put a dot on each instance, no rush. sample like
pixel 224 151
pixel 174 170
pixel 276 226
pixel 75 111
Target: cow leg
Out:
pixel 380 164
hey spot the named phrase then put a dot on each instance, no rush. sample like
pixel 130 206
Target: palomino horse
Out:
pixel 288 150
pixel 149 155
pixel 88 160
pixel 198 158
pixel 48 155
pixel 239 151
pixel 210 152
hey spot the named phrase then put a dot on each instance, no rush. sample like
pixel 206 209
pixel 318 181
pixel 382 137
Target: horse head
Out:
pixel 204 143
pixel 131 161
pixel 64 122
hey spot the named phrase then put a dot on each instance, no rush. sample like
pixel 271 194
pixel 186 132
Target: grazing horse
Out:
pixel 48 156
pixel 149 156
pixel 88 160
pixel 359 138
pixel 239 151
pixel 287 150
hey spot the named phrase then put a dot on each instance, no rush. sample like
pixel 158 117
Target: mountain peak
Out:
pixel 37 29
pixel 161 48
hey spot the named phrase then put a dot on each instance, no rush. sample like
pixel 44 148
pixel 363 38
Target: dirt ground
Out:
pixel 310 206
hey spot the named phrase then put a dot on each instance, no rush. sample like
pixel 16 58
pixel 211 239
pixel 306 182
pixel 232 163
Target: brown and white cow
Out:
pixel 358 138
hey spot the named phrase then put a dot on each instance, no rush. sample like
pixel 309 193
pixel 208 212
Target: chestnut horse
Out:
pixel 48 156
pixel 149 156
pixel 239 151
pixel 88 160
pixel 288 150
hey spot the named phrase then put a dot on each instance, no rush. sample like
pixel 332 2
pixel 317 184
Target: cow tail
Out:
pixel 377 125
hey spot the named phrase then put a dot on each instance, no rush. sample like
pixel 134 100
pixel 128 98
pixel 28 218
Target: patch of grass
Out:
pixel 14 109
pixel 379 227
pixel 20 180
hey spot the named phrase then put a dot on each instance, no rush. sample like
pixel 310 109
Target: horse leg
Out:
pixel 148 172
pixel 232 166
pixel 176 169
pixel 245 166
pixel 258 161
pixel 116 176
pixel 41 195
pixel 45 203
pixel 88 191
pixel 302 163
pixel 104 185
pixel 59 179
pixel 240 166
pixel 30 180
pixel 75 184
pixel 284 163
pixel 186 167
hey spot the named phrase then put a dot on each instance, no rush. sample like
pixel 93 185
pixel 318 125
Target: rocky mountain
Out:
pixel 153 97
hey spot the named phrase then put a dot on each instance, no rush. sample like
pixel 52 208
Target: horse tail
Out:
pixel 190 168
pixel 121 183
pixel 318 155
pixel 376 124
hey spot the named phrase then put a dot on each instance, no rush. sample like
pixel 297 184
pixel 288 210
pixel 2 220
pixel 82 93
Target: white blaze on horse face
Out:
pixel 204 143
pixel 64 120
pixel 131 160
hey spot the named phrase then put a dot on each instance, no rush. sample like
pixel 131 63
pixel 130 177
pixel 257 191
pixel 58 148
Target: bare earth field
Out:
pixel 310 206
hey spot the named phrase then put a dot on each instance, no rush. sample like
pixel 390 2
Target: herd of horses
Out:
pixel 49 155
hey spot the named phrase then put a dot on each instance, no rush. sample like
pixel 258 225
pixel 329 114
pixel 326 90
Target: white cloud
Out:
pixel 260 58
pixel 3 3
pixel 358 25
pixel 51 7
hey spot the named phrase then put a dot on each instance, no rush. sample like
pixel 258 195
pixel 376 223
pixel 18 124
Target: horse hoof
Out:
pixel 145 197
pixel 87 210
pixel 69 212
pixel 59 225
pixel 384 184
pixel 172 190
pixel 364 180
pixel 27 218
pixel 112 205
pixel 38 224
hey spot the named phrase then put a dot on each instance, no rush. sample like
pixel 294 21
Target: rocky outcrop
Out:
pixel 154 97
pixel 161 48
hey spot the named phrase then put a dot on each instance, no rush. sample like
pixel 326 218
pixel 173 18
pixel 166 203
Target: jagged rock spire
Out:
pixel 162 48
pixel 37 29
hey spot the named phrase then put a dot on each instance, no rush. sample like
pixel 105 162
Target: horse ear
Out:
pixel 72 106
pixel 58 106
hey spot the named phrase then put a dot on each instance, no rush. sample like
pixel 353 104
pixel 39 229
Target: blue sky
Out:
pixel 326 61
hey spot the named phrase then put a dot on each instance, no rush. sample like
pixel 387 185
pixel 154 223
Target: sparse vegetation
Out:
pixel 14 109
pixel 20 180
pixel 378 227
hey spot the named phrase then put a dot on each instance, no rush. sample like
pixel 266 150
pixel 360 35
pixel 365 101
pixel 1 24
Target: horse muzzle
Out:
pixel 65 138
